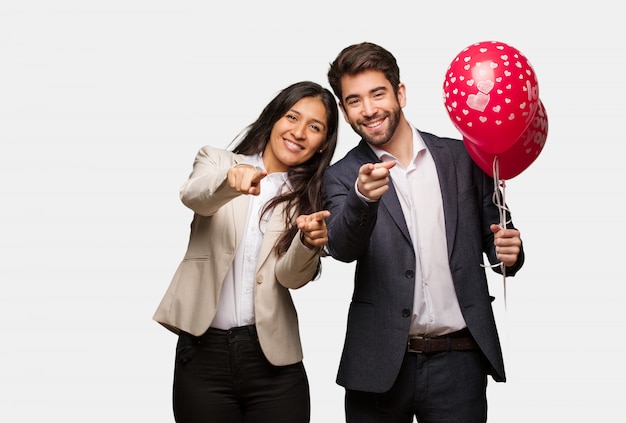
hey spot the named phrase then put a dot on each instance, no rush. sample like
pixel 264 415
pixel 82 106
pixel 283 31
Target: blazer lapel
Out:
pixel 273 230
pixel 447 181
pixel 391 203
pixel 390 200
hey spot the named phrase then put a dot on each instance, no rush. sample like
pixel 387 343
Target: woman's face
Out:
pixel 297 135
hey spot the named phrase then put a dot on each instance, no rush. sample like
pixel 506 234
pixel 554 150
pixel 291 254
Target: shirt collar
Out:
pixel 256 160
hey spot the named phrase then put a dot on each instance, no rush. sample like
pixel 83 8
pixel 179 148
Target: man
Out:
pixel 417 215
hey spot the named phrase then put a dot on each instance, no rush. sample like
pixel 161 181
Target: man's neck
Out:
pixel 401 144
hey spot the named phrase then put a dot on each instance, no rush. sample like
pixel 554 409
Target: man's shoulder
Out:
pixel 352 159
pixel 454 145
pixel 430 137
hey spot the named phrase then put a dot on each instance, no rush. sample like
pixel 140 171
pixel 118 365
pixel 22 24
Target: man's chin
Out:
pixel 376 141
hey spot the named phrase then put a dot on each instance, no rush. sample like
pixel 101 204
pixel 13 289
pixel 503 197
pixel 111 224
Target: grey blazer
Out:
pixel 376 236
pixel 191 300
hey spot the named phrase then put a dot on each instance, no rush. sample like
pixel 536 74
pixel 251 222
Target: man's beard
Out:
pixel 393 120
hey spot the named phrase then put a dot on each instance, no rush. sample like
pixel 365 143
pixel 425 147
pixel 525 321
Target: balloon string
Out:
pixel 499 199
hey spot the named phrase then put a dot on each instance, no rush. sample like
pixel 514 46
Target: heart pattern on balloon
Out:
pixel 491 94
pixel 524 151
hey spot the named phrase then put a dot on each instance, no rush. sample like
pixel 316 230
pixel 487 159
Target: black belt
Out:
pixel 220 336
pixel 456 341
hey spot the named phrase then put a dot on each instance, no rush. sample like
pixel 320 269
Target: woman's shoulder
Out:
pixel 219 154
pixel 217 151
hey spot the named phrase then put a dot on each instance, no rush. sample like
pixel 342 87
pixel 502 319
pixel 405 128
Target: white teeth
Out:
pixel 373 125
pixel 293 145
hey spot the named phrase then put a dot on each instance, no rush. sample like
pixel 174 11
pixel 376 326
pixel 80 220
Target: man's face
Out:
pixel 371 107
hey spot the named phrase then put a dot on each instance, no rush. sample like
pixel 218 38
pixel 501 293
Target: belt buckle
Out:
pixel 423 338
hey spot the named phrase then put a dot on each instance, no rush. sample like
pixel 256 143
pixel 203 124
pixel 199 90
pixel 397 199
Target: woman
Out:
pixel 258 231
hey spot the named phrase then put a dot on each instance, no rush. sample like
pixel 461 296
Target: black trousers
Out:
pixel 444 387
pixel 223 376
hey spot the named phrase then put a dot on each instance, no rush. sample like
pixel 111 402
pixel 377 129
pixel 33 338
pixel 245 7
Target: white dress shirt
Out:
pixel 436 309
pixel 236 304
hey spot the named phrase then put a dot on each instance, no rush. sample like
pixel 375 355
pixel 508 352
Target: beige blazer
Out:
pixel 220 213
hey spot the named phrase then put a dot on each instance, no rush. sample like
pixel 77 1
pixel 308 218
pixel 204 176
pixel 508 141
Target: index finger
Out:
pixel 258 175
pixel 366 169
pixel 388 164
pixel 319 216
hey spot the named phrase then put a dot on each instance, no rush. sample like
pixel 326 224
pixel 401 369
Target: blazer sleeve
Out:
pixel 206 189
pixel 351 220
pixel 491 214
pixel 299 265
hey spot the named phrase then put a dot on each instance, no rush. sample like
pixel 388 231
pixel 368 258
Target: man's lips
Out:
pixel 373 124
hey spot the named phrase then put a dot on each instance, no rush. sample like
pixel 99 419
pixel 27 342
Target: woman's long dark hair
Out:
pixel 306 178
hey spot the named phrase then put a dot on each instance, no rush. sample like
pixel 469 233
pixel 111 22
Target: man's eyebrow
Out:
pixel 372 91
pixel 381 88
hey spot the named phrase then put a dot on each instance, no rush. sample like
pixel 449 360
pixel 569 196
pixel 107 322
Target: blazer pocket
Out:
pixel 197 257
pixel 360 302
pixel 185 348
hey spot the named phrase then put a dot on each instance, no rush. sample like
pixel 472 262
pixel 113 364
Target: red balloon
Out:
pixel 520 155
pixel 491 94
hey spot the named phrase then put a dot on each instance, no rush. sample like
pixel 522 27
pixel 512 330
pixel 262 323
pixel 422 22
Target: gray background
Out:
pixel 103 105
